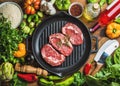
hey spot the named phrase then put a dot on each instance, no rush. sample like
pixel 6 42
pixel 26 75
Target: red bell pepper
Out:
pixel 28 77
pixel 87 68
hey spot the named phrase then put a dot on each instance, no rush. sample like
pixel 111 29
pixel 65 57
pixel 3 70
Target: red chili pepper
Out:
pixel 87 68
pixel 28 77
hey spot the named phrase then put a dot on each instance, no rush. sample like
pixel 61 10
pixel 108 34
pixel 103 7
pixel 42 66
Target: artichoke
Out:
pixel 6 71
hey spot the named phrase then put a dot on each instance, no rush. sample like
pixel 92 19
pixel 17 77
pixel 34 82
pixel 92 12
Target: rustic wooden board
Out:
pixel 100 33
pixel 91 57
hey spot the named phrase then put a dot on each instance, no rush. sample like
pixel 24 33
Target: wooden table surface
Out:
pixel 100 33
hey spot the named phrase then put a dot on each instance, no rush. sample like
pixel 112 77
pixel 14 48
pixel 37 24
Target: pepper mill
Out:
pixel 30 69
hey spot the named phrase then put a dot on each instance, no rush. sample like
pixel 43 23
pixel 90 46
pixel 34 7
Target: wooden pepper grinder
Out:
pixel 30 69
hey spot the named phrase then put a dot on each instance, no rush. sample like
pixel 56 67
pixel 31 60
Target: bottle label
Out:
pixel 117 16
pixel 114 2
pixel 114 10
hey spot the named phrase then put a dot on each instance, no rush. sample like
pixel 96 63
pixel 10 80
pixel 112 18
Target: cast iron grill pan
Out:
pixel 53 25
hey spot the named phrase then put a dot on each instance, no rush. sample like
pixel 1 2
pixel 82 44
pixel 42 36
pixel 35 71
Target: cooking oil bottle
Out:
pixel 91 11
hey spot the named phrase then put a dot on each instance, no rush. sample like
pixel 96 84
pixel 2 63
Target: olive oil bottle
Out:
pixel 91 11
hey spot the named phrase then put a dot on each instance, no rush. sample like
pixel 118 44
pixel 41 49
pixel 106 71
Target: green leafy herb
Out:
pixel 114 84
pixel 9 39
pixel 17 82
pixel 79 79
pixel 110 74
pixel 117 56
pixel 109 61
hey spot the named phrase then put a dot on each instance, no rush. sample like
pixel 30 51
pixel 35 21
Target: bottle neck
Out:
pixel 95 27
pixel 95 6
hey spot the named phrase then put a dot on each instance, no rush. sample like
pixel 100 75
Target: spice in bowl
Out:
pixel 76 9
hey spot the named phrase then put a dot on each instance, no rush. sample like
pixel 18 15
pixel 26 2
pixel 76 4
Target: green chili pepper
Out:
pixel 36 18
pixel 66 82
pixel 62 4
pixel 40 14
pixel 45 82
pixel 37 23
pixel 30 17
pixel 51 77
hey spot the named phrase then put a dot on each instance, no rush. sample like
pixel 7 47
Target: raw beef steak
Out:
pixel 51 56
pixel 61 43
pixel 73 32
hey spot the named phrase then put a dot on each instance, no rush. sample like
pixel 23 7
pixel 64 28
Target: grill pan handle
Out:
pixel 29 57
pixel 62 13
pixel 94 38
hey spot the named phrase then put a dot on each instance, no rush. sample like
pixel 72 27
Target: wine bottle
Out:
pixel 108 15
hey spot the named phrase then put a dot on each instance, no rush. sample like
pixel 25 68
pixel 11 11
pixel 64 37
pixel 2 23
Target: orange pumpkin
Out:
pixel 113 30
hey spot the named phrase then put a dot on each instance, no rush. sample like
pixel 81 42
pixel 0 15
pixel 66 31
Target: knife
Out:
pixel 103 47
pixel 106 50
